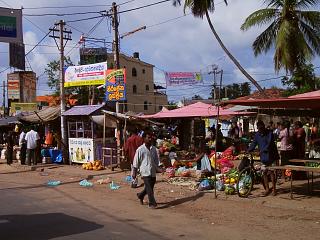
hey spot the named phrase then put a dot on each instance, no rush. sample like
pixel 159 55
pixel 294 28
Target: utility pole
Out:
pixel 4 98
pixel 115 48
pixel 63 35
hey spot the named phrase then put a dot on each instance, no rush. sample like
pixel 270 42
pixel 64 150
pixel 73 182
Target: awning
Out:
pixel 83 110
pixel 111 122
pixel 46 115
pixel 286 103
pixel 8 121
pixel 198 109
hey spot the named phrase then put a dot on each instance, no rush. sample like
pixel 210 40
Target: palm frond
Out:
pixel 274 3
pixel 306 4
pixel 266 39
pixel 312 18
pixel 311 35
pixel 259 18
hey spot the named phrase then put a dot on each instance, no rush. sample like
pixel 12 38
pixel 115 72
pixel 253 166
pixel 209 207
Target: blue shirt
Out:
pixel 267 147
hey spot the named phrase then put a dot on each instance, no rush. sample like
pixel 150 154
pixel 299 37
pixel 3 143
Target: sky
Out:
pixel 172 41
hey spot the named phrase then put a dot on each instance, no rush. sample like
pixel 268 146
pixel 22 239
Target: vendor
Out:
pixel 173 156
pixel 202 159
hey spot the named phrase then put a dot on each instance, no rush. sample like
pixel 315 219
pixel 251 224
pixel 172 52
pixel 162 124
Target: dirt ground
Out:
pixel 255 217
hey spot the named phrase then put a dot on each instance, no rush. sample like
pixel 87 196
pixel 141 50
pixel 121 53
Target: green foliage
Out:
pixel 197 97
pixel 235 90
pixel 303 80
pixel 293 31
pixel 172 105
pixel 53 72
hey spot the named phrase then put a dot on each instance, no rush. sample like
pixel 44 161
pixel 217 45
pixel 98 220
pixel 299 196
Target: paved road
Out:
pixel 31 210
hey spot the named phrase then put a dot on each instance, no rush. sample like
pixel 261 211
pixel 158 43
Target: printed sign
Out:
pixel 183 78
pixel 116 85
pixel 85 75
pixel 22 107
pixel 13 87
pixel 11 25
pixel 81 150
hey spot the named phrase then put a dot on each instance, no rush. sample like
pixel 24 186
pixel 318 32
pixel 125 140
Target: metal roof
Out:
pixel 83 110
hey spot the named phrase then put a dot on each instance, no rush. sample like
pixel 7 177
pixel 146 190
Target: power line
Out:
pixel 38 43
pixel 148 5
pixel 61 14
pixel 84 19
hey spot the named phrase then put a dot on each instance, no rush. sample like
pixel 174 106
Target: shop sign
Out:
pixel 22 107
pixel 85 75
pixel 81 150
pixel 11 25
pixel 13 87
pixel 183 78
pixel 116 85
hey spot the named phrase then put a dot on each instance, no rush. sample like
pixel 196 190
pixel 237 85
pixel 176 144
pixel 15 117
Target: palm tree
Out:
pixel 200 8
pixel 293 31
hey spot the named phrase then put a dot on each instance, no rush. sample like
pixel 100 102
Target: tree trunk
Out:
pixel 235 61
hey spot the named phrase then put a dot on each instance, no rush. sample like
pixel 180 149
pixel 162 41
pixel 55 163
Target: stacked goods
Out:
pixel 95 165
pixel 165 147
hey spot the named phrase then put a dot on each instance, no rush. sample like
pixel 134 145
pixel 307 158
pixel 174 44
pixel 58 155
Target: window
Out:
pixel 143 71
pixel 134 89
pixel 147 88
pixel 134 72
pixel 145 105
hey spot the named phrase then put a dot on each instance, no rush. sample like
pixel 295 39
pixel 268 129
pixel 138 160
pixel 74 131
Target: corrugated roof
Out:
pixel 8 120
pixel 83 110
pixel 46 115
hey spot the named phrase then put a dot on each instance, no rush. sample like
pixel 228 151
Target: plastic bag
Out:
pixel 85 183
pixel 204 185
pixel 53 183
pixel 114 186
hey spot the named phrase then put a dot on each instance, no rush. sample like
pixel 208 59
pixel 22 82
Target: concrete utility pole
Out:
pixel 4 98
pixel 115 25
pixel 63 35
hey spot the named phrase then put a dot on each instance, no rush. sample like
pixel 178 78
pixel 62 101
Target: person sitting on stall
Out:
pixel 202 159
pixel 264 139
pixel 173 157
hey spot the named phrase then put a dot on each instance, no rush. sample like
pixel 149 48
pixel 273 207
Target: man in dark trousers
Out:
pixel 23 146
pixel 10 144
pixel 265 141
pixel 147 161
pixel 130 148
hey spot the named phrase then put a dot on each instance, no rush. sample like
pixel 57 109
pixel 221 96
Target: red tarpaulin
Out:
pixel 310 100
pixel 198 109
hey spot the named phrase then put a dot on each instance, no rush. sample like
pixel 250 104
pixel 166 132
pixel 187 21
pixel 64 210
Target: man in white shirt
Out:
pixel 23 146
pixel 32 138
pixel 147 161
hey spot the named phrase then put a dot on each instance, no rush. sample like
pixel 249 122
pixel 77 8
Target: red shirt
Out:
pixel 132 145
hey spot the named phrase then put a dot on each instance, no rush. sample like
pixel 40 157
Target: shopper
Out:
pixel 130 147
pixel 286 146
pixel 23 146
pixel 147 162
pixel 32 138
pixel 10 144
pixel 264 139
pixel 299 140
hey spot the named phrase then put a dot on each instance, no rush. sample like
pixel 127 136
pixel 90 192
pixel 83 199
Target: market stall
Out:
pixel 84 135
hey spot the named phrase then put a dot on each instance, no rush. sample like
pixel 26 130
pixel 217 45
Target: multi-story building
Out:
pixel 142 97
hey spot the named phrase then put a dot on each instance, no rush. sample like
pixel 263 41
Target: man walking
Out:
pixel 32 138
pixel 147 161
pixel 130 148
pixel 23 146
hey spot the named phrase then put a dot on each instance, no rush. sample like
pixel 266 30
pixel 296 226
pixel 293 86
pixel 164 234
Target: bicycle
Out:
pixel 248 176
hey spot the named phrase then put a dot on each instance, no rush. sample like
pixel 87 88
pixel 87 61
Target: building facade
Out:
pixel 142 97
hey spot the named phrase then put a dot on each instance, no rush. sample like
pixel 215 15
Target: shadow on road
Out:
pixel 43 226
pixel 181 200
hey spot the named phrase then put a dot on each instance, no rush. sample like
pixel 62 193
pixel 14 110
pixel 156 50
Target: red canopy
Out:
pixel 198 109
pixel 310 100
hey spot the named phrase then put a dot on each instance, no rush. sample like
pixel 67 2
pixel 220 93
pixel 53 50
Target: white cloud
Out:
pixel 185 44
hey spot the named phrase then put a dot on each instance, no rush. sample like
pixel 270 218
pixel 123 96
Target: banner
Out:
pixel 81 150
pixel 85 75
pixel 116 85
pixel 183 78
pixel 11 25
pixel 22 107
pixel 13 86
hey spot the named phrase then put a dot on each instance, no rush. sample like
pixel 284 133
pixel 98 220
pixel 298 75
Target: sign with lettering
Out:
pixel 85 75
pixel 116 85
pixel 183 78
pixel 81 150
pixel 11 25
